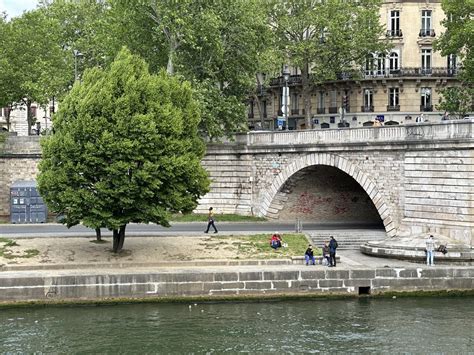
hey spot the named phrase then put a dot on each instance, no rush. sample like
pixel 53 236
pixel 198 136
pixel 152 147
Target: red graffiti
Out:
pixel 306 203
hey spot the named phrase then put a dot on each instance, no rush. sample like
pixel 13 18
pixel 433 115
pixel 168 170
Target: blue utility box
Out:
pixel 26 205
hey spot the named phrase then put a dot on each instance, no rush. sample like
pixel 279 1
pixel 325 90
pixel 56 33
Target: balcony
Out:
pixel 292 81
pixel 367 108
pixel 427 32
pixel 393 108
pixel 295 111
pixel 250 115
pixel 320 110
pixel 348 108
pixel 332 109
pixel 394 33
pixel 412 72
pixel 426 108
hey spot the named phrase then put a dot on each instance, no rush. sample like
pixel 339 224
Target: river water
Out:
pixel 407 325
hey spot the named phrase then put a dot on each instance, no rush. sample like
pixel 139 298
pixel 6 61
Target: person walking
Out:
pixel 430 248
pixel 308 255
pixel 210 221
pixel 332 252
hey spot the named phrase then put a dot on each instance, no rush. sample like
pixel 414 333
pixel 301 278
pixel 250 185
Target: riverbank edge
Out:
pixel 229 299
pixel 223 283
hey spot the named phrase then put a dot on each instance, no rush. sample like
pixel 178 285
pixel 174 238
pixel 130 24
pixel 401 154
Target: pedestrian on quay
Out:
pixel 430 248
pixel 332 252
pixel 326 257
pixel 210 221
pixel 309 255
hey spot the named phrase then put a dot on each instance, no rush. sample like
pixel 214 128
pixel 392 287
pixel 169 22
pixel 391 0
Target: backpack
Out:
pixel 442 248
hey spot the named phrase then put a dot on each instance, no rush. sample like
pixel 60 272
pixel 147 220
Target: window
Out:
pixel 380 64
pixel 393 98
pixel 1 111
pixel 393 62
pixel 395 24
pixel 251 108
pixel 264 107
pixel 332 119
pixel 452 64
pixel 425 99
pixel 294 103
pixel 426 61
pixel 426 24
pixel 333 98
pixel 369 65
pixel 368 100
pixel 33 111
pixel 321 99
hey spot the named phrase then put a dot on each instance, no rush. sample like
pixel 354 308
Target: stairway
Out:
pixel 348 239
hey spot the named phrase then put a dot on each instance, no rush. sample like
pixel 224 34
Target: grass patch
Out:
pixel 196 217
pixel 6 253
pixel 258 246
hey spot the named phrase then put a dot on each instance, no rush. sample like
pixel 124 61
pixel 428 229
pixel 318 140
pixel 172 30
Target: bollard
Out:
pixel 298 226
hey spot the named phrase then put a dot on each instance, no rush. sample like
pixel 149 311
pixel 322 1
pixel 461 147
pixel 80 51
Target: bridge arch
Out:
pixel 336 161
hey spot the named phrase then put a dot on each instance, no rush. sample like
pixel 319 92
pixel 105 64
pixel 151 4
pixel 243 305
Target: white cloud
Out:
pixel 15 8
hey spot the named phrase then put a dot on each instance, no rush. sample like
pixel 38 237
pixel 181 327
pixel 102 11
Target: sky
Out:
pixel 16 7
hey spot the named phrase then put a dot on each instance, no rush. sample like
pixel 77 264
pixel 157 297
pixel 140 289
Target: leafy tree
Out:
pixel 31 60
pixel 457 100
pixel 214 44
pixel 458 38
pixel 125 149
pixel 325 38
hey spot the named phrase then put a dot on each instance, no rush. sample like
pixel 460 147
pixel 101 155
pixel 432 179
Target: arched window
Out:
pixel 393 62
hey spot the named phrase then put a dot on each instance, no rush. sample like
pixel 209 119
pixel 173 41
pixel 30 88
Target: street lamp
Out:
pixel 76 55
pixel 286 94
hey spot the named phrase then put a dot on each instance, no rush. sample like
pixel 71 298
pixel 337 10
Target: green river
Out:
pixel 366 325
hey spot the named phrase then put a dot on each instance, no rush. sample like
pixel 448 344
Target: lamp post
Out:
pixel 286 94
pixel 76 55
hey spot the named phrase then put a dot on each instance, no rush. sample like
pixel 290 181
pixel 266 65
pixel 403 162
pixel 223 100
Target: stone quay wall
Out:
pixel 215 284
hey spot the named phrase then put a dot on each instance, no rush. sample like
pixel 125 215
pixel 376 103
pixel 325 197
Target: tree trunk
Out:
pixel 28 115
pixel 119 238
pixel 98 235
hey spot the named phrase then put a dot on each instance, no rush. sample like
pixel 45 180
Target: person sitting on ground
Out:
pixel 275 241
pixel 326 253
pixel 308 255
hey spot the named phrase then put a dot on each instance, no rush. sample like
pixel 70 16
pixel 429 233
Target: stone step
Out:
pixel 347 240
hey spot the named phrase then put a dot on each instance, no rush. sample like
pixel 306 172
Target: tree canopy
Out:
pixel 125 149
pixel 325 38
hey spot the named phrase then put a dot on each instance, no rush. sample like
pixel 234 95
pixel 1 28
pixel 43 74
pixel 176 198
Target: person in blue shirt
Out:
pixel 308 255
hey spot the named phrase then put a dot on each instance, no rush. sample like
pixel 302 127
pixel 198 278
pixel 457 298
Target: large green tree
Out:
pixel 217 45
pixel 32 65
pixel 325 38
pixel 458 41
pixel 125 149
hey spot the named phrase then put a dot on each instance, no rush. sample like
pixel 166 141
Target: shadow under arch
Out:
pixel 363 179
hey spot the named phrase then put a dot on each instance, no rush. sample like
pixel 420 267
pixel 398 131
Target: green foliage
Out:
pixel 457 101
pixel 458 38
pixel 324 38
pixel 7 253
pixel 125 149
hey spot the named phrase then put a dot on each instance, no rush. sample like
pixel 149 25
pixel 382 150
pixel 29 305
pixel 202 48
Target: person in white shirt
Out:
pixel 430 249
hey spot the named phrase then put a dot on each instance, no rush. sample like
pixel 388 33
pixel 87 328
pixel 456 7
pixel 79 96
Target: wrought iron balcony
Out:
pixel 427 32
pixel 393 107
pixel 320 110
pixel 295 111
pixel 367 109
pixel 332 109
pixel 394 33
pixel 426 108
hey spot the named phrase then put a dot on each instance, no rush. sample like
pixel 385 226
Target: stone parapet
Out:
pixel 218 282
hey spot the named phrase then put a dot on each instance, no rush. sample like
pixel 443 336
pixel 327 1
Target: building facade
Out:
pixel 397 87
pixel 15 120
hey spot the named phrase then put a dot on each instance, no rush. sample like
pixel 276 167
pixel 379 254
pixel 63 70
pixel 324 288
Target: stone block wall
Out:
pixel 19 158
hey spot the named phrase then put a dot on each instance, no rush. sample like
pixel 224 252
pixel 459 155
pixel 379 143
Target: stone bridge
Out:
pixel 410 178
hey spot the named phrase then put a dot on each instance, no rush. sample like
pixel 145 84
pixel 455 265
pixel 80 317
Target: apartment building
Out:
pixel 18 121
pixel 396 87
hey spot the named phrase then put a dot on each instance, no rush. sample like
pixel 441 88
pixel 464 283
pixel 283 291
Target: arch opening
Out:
pixel 325 194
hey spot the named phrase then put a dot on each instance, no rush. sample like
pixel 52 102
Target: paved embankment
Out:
pixel 350 278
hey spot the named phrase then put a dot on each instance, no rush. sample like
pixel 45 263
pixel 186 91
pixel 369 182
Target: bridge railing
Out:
pixel 454 129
